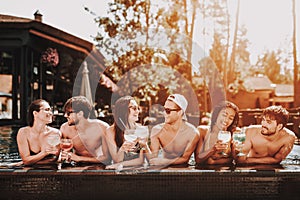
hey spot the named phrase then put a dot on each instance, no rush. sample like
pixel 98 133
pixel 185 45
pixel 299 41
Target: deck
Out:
pixel 173 182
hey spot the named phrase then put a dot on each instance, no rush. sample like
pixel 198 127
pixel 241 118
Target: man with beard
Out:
pixel 88 135
pixel 270 142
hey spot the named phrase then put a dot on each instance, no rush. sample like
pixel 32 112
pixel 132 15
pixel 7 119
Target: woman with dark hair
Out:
pixel 225 117
pixel 123 151
pixel 38 143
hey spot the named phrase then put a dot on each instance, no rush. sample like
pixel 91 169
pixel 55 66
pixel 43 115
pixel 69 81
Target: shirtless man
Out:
pixel 176 137
pixel 270 142
pixel 88 135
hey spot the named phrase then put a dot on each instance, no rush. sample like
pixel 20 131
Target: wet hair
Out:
pixel 34 106
pixel 277 113
pixel 121 112
pixel 77 104
pixel 219 108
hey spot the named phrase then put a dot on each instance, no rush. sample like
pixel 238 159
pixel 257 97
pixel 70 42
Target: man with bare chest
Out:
pixel 270 142
pixel 88 135
pixel 176 137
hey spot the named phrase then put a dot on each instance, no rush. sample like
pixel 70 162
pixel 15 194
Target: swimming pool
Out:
pixel 8 145
pixel 9 150
pixel 181 182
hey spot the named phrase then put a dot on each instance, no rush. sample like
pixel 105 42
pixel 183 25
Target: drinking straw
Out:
pixel 122 122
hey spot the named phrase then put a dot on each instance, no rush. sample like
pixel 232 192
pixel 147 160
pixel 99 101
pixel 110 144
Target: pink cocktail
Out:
pixel 66 144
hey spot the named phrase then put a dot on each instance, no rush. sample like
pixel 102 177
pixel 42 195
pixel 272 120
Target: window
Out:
pixel 6 82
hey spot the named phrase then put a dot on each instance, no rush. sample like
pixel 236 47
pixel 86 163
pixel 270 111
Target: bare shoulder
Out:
pixel 23 131
pixel 64 126
pixel 256 126
pixel 67 130
pixel 156 130
pixel 103 123
pixel 291 136
pixel 99 122
pixel 191 127
pixel 110 130
pixel 253 128
pixel 23 134
pixel 54 130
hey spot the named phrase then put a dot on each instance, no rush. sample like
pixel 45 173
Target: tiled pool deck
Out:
pixel 170 183
pixel 175 182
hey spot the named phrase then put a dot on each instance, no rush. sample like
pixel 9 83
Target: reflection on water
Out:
pixel 8 145
pixel 292 161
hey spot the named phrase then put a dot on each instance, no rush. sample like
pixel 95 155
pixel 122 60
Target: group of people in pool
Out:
pixel 172 142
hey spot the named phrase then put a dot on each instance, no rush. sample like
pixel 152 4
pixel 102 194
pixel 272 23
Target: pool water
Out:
pixel 8 145
pixel 9 149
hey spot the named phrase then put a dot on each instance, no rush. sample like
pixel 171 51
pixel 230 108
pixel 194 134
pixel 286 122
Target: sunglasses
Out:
pixel 169 110
pixel 68 113
pixel 135 108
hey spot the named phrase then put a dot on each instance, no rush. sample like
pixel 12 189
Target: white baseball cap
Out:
pixel 180 101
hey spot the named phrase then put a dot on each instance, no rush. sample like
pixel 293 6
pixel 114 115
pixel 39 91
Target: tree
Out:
pixel 242 55
pixel 295 64
pixel 135 33
pixel 217 52
pixel 273 65
pixel 126 20
pixel 239 63
pixel 215 13
pixel 233 52
pixel 270 62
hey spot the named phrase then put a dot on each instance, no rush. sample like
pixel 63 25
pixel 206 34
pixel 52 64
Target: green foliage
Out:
pixel 271 63
pixel 126 19
pixel 217 52
pixel 131 36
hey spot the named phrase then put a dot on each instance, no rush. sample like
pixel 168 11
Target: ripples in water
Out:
pixel 8 145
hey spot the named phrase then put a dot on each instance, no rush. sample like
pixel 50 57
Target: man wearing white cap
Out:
pixel 177 138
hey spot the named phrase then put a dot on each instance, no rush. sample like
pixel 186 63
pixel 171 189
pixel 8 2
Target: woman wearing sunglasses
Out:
pixel 34 143
pixel 125 146
pixel 211 150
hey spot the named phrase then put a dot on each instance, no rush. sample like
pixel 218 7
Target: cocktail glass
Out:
pixel 66 145
pixel 53 140
pixel 239 138
pixel 225 137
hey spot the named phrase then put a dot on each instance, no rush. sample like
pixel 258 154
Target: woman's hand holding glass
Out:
pixel 128 146
pixel 219 148
pixel 133 143
pixel 53 140
pixel 224 138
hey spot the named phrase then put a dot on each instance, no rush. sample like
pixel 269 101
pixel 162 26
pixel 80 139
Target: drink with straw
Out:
pixel 239 138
